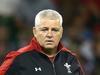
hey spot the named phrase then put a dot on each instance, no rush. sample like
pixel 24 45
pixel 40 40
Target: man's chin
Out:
pixel 49 47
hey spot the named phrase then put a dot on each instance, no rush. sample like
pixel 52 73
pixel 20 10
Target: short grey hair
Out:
pixel 48 13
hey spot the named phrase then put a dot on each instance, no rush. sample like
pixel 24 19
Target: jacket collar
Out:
pixel 35 45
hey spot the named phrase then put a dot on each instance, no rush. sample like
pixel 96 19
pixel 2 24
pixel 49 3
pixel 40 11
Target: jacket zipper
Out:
pixel 53 63
pixel 54 68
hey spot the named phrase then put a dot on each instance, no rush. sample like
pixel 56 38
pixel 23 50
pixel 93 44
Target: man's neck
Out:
pixel 50 52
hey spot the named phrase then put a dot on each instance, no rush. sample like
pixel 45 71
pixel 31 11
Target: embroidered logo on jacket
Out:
pixel 38 69
pixel 68 67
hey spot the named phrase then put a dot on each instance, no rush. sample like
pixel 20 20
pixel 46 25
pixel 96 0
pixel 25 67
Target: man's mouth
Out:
pixel 49 40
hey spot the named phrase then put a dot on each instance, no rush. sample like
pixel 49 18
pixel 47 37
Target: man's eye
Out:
pixel 43 29
pixel 55 30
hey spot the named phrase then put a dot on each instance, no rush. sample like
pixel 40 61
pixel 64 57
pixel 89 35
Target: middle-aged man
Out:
pixel 45 55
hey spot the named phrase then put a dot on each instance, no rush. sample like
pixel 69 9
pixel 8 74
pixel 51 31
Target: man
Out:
pixel 45 55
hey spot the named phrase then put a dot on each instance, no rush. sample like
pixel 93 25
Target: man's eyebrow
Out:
pixel 47 27
pixel 42 27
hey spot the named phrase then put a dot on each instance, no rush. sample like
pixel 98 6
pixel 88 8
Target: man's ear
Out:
pixel 34 31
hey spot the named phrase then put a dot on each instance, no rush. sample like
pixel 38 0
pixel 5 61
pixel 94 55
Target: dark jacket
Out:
pixel 30 60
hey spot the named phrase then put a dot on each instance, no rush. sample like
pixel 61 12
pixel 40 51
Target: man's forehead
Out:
pixel 46 22
pixel 48 26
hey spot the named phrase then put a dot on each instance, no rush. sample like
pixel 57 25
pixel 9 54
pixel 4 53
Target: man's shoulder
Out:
pixel 25 54
pixel 11 56
pixel 69 52
pixel 14 54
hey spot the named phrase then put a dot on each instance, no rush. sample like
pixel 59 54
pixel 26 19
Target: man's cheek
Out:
pixel 41 38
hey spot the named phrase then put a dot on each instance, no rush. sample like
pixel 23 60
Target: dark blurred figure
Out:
pixel 93 6
pixel 96 49
pixel 7 36
pixel 27 9
pixel 22 38
pixel 4 44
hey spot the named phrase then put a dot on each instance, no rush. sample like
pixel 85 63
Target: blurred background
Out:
pixel 81 27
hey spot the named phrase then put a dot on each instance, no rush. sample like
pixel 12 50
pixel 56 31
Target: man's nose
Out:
pixel 49 34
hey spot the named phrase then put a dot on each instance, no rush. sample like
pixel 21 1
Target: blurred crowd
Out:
pixel 81 27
